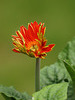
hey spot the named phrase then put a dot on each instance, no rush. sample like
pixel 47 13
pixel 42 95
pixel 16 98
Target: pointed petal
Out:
pixel 44 43
pixel 35 23
pixel 25 34
pixel 35 27
pixel 14 37
pixel 48 48
pixel 18 34
pixel 23 31
pixel 15 50
pixel 43 30
pixel 31 32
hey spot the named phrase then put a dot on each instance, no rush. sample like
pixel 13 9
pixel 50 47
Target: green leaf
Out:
pixel 9 93
pixel 52 92
pixel 68 57
pixel 57 72
pixel 68 54
pixel 7 98
pixel 72 73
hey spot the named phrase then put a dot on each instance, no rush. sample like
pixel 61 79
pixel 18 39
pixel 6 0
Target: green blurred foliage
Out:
pixel 59 18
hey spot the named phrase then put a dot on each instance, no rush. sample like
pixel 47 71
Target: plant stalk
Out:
pixel 37 75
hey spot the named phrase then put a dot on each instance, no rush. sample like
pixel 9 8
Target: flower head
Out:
pixel 31 41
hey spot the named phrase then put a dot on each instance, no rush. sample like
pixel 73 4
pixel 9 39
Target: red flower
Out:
pixel 31 41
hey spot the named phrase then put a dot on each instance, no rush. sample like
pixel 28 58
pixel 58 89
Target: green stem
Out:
pixel 37 75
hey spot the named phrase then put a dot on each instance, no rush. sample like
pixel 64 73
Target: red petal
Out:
pixel 40 55
pixel 14 44
pixel 31 32
pixel 14 36
pixel 25 34
pixel 39 23
pixel 35 27
pixel 43 30
pixel 16 51
pixel 44 43
pixel 48 48
pixel 18 34
pixel 23 31
pixel 35 23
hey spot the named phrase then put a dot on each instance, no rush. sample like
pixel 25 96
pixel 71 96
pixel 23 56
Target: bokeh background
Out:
pixel 59 18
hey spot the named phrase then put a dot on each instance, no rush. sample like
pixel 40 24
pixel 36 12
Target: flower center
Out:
pixel 34 47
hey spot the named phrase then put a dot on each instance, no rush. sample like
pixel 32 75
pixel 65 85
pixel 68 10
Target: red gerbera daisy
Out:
pixel 31 41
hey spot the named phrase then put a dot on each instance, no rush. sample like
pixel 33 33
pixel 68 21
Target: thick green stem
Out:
pixel 37 75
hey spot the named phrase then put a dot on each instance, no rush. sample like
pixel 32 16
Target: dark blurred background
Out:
pixel 59 18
